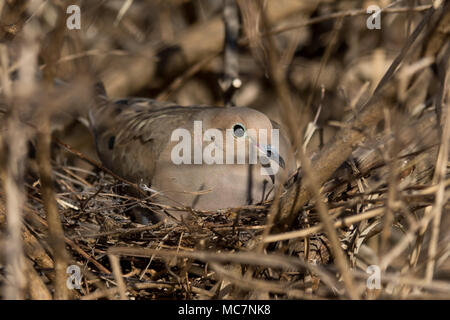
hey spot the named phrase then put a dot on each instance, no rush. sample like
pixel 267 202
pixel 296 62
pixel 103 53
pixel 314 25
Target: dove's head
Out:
pixel 249 135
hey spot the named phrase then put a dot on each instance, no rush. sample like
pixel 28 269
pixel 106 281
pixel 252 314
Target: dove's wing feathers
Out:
pixel 131 134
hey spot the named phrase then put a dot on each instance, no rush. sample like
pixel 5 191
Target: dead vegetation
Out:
pixel 367 111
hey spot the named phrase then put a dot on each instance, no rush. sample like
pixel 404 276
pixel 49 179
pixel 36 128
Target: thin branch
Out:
pixel 230 81
pixel 312 185
pixel 345 14
pixel 345 222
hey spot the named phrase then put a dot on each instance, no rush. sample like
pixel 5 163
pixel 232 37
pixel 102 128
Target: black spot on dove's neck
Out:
pixel 121 101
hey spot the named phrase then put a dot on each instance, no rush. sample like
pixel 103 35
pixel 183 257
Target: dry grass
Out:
pixel 366 109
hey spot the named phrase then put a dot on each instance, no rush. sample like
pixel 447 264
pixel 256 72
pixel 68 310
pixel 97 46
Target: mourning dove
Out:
pixel 189 155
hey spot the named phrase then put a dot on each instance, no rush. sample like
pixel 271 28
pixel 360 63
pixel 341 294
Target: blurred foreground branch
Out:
pixel 336 151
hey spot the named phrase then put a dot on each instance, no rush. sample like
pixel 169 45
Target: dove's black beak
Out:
pixel 272 154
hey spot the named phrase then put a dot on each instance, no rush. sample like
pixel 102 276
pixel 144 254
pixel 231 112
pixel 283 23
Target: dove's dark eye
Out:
pixel 238 130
